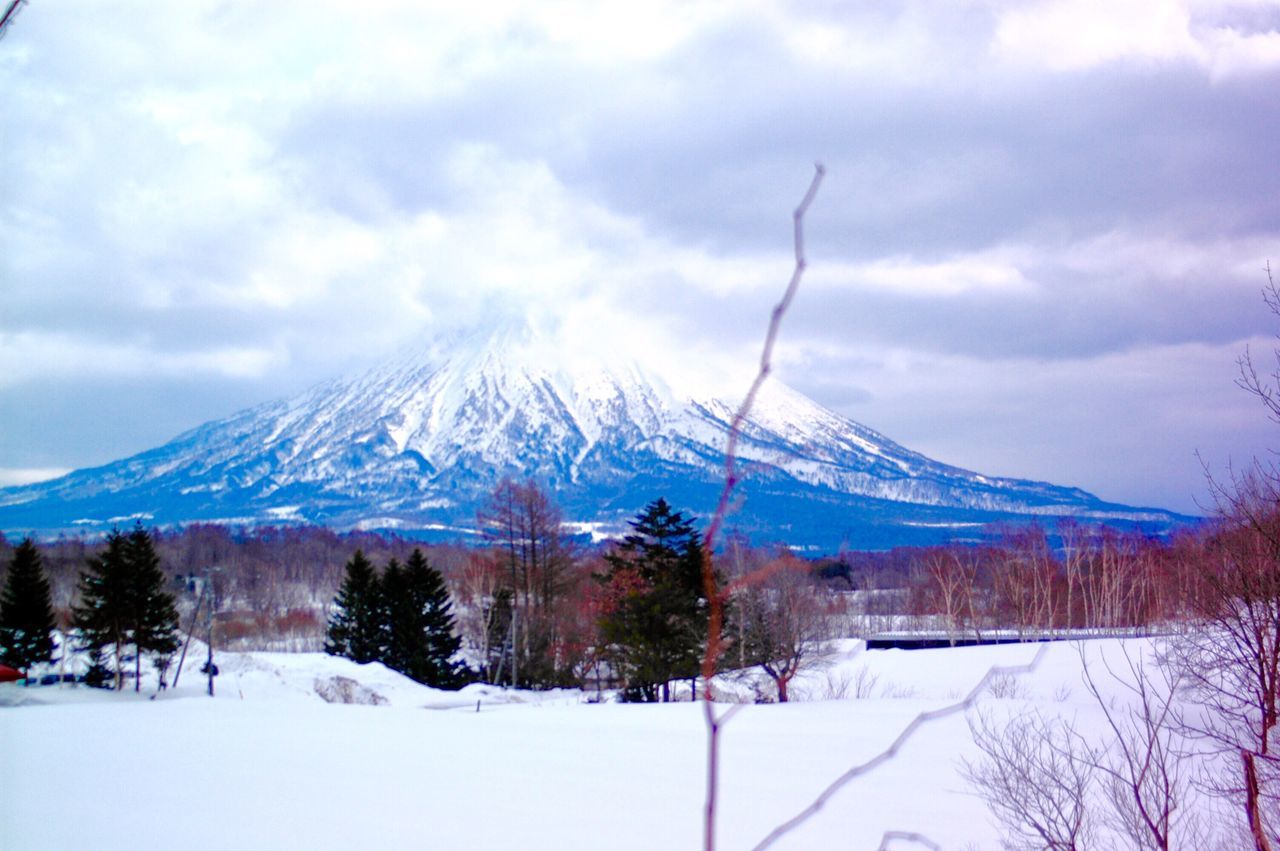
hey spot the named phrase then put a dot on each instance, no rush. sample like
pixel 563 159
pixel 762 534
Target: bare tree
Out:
pixel 1024 574
pixel 525 525
pixel 1035 775
pixel 1232 652
pixel 1230 655
pixel 785 619
pixel 1146 768
pixel 476 594
pixel 1051 787
pixel 952 576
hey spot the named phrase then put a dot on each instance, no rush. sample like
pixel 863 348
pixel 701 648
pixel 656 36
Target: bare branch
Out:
pixel 10 12
pixel 890 752
pixel 905 836
pixel 1147 787
pixel 713 593
pixel 1035 778
pixel 766 358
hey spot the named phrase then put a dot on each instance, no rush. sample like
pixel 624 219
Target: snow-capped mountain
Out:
pixel 419 442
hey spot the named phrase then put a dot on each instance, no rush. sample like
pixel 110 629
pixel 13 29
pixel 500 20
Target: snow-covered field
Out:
pixel 269 763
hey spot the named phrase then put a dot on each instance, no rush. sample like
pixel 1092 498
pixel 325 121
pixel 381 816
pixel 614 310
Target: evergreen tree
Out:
pixel 123 605
pixel 153 616
pixel 421 629
pixel 356 628
pixel 102 617
pixel 656 623
pixel 26 613
pixel 396 639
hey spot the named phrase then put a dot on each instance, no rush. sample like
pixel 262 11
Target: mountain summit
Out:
pixel 419 441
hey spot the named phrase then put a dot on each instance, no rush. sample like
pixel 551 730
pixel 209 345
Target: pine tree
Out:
pixel 153 616
pixel 123 605
pixel 26 613
pixel 356 628
pixel 102 618
pixel 656 624
pixel 421 627
pixel 396 639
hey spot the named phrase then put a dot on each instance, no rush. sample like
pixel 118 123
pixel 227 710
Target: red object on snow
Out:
pixel 8 675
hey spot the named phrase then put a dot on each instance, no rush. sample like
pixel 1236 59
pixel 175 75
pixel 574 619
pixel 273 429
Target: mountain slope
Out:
pixel 420 440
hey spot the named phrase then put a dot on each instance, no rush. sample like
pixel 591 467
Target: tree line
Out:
pixel 123 613
pixel 532 606
pixel 402 617
pixel 535 610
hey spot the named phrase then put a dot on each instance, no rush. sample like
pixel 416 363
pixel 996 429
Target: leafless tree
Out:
pixel 1230 654
pixel 1145 765
pixel 785 618
pixel 474 594
pixel 1036 776
pixel 525 525
pixel 1052 787
pixel 1024 580
pixel 952 576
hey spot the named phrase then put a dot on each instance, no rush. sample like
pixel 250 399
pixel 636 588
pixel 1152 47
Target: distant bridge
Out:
pixel 933 639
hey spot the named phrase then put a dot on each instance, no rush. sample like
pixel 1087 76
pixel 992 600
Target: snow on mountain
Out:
pixel 418 442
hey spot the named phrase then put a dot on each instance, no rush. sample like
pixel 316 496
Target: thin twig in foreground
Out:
pixel 906 836
pixel 892 751
pixel 712 591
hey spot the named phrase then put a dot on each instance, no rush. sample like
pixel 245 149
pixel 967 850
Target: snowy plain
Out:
pixel 269 763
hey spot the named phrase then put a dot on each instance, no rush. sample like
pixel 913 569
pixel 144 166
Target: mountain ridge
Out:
pixel 417 442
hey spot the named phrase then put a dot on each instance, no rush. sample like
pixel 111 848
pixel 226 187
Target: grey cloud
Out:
pixel 97 420
pixel 710 147
pixel 1066 314
pixel 927 172
pixel 706 148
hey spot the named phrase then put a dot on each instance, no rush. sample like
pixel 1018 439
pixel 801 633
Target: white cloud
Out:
pixel 1076 35
pixel 12 476
pixel 1230 52
pixel 1069 35
pixel 993 270
pixel 35 356
pixel 260 193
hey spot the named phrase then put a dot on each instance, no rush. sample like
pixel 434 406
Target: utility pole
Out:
pixel 209 667
pixel 206 590
pixel 191 628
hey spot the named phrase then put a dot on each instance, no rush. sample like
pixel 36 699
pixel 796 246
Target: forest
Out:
pixel 274 588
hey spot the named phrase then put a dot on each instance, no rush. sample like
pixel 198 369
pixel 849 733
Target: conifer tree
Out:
pixel 396 639
pixel 656 622
pixel 422 634
pixel 356 628
pixel 123 605
pixel 154 616
pixel 26 613
pixel 101 618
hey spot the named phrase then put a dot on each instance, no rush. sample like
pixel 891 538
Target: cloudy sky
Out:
pixel 1038 251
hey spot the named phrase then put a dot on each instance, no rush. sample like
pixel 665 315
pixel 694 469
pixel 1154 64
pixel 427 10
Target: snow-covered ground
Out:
pixel 269 763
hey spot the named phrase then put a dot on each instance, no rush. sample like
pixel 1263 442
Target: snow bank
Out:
pixel 270 764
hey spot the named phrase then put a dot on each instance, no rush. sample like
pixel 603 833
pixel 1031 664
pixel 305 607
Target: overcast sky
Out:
pixel 1038 251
